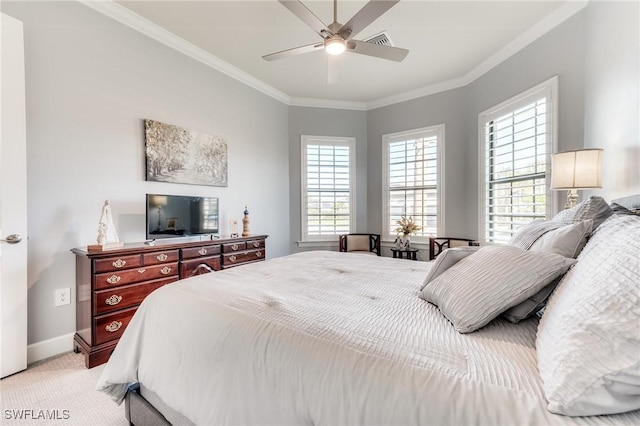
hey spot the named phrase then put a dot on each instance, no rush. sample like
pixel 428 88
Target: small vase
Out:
pixel 406 242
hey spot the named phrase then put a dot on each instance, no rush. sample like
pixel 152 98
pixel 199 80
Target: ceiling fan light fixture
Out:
pixel 335 46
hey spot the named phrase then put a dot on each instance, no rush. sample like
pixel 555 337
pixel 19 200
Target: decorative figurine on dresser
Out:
pixel 111 283
pixel 107 234
pixel 245 223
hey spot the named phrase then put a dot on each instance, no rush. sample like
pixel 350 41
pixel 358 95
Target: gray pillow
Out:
pixel 528 234
pixel 483 285
pixel 619 209
pixel 447 259
pixel 531 306
pixel 595 208
pixel 567 241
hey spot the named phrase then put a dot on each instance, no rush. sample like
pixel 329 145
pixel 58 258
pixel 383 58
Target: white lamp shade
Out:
pixel 578 169
pixel 158 200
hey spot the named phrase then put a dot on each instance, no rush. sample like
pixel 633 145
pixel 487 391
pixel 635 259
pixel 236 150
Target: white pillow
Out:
pixel 567 241
pixel 528 234
pixel 588 342
pixel 446 260
pixel 483 285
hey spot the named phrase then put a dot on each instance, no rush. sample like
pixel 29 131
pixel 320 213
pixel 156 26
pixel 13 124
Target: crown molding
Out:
pixel 545 25
pixel 542 27
pixel 418 93
pixel 148 28
pixel 328 103
pixel 154 31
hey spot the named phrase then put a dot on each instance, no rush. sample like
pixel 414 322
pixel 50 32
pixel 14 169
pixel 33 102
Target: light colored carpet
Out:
pixel 57 391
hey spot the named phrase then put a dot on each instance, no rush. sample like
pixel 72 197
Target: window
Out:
pixel 412 165
pixel 517 139
pixel 328 182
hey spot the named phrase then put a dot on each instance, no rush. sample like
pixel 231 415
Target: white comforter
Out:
pixel 327 338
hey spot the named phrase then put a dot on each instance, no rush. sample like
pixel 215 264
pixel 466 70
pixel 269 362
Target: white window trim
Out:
pixel 551 88
pixel 439 129
pixel 326 140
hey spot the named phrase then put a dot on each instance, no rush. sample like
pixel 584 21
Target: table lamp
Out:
pixel 577 169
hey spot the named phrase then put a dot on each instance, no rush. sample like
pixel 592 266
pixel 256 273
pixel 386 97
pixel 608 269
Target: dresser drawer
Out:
pixel 234 259
pixel 204 251
pixel 255 244
pixel 125 297
pixel 117 263
pixel 160 257
pixel 231 247
pixel 130 276
pixel 111 326
pixel 194 267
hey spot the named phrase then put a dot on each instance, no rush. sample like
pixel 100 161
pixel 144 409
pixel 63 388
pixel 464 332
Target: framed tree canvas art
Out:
pixel 178 155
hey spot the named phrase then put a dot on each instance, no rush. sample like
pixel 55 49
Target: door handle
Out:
pixel 12 239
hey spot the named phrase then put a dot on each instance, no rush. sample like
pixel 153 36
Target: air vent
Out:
pixel 382 39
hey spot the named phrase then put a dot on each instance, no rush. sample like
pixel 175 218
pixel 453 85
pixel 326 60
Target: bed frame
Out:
pixel 139 411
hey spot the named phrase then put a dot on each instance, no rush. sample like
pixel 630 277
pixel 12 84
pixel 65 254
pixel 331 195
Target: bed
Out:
pixel 324 338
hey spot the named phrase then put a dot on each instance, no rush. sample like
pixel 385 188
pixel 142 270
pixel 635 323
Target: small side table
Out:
pixel 411 253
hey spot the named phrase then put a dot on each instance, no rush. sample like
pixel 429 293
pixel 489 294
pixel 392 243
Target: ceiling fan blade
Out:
pixel 302 12
pixel 365 16
pixel 292 52
pixel 379 51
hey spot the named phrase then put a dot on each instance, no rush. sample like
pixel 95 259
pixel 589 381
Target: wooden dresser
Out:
pixel 111 284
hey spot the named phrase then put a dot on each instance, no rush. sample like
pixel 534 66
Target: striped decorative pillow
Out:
pixel 483 285
pixel 588 342
pixel 446 260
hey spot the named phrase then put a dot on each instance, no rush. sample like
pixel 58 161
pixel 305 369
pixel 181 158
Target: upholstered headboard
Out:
pixel 631 202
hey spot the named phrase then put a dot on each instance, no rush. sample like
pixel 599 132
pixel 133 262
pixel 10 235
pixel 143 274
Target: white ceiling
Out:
pixel 450 43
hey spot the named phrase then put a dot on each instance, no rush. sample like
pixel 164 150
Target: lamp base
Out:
pixel 572 199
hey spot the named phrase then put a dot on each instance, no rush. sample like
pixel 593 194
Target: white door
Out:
pixel 13 201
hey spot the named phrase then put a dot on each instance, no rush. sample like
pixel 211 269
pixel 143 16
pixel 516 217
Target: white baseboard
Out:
pixel 48 348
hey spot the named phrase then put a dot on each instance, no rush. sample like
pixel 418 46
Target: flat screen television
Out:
pixel 170 216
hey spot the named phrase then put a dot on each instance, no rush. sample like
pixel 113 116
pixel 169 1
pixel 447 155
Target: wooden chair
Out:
pixel 360 243
pixel 438 244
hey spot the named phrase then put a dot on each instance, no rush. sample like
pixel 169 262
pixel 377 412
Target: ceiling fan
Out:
pixel 337 37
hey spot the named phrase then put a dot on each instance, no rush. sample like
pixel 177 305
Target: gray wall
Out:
pixel 325 122
pixel 446 108
pixel 90 82
pixel 612 94
pixel 560 52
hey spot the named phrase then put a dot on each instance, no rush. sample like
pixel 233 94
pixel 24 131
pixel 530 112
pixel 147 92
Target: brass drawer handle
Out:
pixel 162 257
pixel 114 326
pixel 113 279
pixel 113 300
pixel 142 270
pixel 202 251
pixel 234 247
pixel 232 258
pixel 119 263
pixel 165 271
pixel 258 254
pixel 256 244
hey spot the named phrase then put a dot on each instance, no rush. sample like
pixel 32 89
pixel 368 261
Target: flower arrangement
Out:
pixel 406 226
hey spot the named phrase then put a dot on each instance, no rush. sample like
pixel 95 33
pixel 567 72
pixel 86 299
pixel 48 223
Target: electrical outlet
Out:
pixel 63 296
